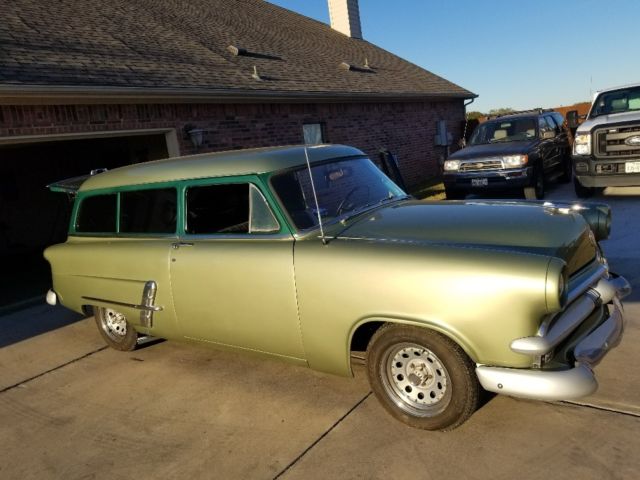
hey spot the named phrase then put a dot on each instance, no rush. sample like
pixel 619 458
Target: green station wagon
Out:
pixel 312 255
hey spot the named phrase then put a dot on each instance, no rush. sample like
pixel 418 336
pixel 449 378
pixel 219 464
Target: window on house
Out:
pixel 312 133
pixel 148 211
pixel 228 209
pixel 97 214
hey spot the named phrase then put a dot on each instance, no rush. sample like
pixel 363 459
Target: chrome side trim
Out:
pixel 148 299
pixel 538 384
pixel 124 304
pixel 147 305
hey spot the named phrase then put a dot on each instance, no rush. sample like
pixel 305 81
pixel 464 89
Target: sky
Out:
pixel 513 54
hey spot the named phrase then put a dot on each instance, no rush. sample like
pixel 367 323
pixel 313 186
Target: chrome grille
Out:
pixel 610 142
pixel 480 165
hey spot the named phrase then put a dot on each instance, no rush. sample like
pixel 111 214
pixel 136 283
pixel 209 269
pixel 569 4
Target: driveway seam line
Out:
pixel 602 409
pixel 319 439
pixel 15 385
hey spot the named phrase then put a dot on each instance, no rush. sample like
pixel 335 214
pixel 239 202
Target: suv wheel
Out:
pixel 581 190
pixel 535 191
pixel 566 169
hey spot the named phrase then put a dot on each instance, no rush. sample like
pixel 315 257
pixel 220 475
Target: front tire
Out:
pixel 421 377
pixel 115 329
pixel 581 190
pixel 536 191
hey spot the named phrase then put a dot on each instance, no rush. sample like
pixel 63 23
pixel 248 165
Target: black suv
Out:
pixel 516 151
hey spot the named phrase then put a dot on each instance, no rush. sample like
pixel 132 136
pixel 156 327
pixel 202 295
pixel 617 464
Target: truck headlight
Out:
pixel 515 161
pixel 582 144
pixel 451 165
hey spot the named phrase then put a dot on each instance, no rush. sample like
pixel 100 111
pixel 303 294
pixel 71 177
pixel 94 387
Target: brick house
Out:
pixel 102 83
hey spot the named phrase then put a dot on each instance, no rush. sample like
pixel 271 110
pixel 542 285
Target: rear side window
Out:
pixel 97 214
pixel 228 209
pixel 148 211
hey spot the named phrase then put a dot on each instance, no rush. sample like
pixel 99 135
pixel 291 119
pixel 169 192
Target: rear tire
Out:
pixel 421 377
pixel 115 329
pixel 581 190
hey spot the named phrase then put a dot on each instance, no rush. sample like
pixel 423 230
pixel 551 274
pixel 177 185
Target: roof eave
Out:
pixel 46 94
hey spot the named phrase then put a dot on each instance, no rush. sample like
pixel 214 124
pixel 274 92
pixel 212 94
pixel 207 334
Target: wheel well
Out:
pixel 362 335
pixel 88 310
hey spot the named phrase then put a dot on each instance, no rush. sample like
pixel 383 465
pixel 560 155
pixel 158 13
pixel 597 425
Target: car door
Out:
pixel 232 272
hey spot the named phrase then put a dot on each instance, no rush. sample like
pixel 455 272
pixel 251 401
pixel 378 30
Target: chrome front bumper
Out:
pixel 575 382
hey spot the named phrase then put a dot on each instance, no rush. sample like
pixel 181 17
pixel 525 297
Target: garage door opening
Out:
pixel 32 217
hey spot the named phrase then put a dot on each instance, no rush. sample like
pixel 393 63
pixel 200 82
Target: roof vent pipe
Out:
pixel 345 17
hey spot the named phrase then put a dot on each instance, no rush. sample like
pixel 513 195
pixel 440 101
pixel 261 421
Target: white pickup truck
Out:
pixel 606 148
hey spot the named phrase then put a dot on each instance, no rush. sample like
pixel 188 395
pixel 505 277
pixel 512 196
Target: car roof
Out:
pixel 619 87
pixel 513 116
pixel 219 164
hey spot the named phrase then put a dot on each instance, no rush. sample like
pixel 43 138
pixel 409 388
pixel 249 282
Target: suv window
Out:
pixel 97 214
pixel 506 130
pixel 148 211
pixel 229 208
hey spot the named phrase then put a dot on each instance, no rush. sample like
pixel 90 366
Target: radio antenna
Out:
pixel 315 196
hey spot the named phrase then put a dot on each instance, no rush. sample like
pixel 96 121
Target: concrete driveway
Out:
pixel 71 409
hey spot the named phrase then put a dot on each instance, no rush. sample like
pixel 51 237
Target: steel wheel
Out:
pixel 421 377
pixel 416 378
pixel 115 329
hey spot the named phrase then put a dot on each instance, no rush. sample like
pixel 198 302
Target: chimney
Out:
pixel 345 17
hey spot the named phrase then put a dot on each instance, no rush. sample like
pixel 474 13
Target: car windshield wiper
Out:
pixel 368 206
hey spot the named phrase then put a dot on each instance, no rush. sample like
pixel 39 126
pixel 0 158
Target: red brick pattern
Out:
pixel 406 129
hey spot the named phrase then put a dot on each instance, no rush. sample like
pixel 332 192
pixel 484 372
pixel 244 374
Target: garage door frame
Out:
pixel 170 135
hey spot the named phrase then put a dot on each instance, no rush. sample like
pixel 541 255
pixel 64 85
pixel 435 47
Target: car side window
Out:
pixel 228 209
pixel 148 211
pixel 553 125
pixel 543 126
pixel 97 214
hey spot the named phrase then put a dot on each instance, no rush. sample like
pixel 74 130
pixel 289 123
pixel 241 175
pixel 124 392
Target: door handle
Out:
pixel 177 245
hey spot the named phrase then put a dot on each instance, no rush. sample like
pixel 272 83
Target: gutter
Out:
pixel 67 94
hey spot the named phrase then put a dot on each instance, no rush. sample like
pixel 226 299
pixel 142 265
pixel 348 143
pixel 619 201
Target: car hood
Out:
pixel 513 226
pixel 493 150
pixel 613 118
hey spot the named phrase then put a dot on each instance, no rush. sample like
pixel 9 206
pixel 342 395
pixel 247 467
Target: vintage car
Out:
pixel 312 254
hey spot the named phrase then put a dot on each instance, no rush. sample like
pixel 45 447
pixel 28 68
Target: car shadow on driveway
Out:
pixel 33 321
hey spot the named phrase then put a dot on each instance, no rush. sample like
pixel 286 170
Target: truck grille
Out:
pixel 610 142
pixel 480 165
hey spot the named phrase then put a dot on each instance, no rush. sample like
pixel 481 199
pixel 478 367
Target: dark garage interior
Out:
pixel 32 217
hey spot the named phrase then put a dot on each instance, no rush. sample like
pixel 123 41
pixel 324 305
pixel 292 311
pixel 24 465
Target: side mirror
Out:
pixel 548 134
pixel 573 119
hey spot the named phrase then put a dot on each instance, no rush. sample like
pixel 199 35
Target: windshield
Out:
pixel 618 101
pixel 343 188
pixel 512 130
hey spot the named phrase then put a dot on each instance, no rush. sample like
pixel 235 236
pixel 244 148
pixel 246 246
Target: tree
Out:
pixel 500 111
pixel 475 115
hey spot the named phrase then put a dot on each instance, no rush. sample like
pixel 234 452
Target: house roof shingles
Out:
pixel 181 45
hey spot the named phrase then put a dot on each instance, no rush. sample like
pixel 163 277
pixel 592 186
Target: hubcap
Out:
pixel 114 324
pixel 416 379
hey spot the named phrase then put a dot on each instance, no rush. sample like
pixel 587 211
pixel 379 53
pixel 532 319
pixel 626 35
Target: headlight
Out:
pixel 557 285
pixel 582 144
pixel 451 165
pixel 514 161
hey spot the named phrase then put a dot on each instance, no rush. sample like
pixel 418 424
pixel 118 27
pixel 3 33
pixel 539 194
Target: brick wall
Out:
pixel 406 129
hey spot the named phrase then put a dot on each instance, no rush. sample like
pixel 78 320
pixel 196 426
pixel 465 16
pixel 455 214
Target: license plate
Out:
pixel 632 167
pixel 481 182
